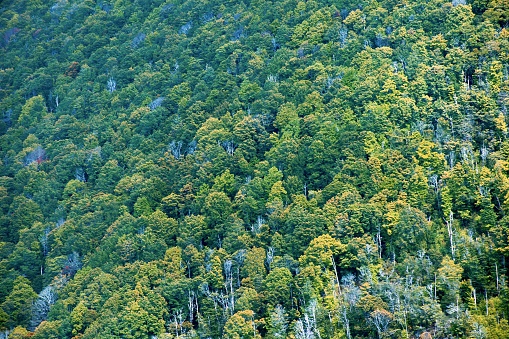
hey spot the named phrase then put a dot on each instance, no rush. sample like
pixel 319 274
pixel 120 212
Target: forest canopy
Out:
pixel 254 169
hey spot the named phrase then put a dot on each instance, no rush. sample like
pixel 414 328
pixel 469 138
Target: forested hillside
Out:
pixel 254 169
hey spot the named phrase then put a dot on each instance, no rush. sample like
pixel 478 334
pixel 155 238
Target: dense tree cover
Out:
pixel 247 169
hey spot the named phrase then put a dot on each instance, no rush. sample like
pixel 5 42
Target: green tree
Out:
pixel 32 112
pixel 448 280
pixel 241 325
pixel 19 302
pixel 217 209
pixel 25 213
pixel 49 330
pixel 254 267
pixel 278 286
pixel 497 12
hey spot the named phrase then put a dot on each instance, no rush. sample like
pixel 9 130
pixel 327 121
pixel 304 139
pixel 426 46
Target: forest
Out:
pixel 313 169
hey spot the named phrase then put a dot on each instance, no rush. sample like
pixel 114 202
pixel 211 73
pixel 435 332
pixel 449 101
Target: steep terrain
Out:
pixel 246 169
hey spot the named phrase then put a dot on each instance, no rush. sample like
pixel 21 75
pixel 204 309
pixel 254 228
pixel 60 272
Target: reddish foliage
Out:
pixel 73 70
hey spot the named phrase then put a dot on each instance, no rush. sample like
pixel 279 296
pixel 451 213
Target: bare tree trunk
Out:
pixel 450 231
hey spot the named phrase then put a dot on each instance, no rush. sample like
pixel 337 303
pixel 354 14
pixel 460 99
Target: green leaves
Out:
pixel 32 112
pixel 188 153
pixel 241 325
pixel 18 303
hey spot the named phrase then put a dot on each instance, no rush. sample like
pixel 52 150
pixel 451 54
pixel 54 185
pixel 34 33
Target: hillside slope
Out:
pixel 238 169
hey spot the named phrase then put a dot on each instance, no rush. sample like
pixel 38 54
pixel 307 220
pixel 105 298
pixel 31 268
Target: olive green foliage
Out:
pixel 248 169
